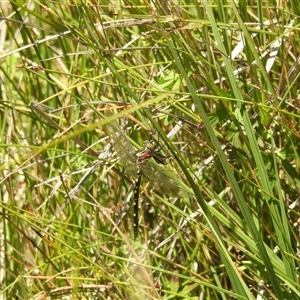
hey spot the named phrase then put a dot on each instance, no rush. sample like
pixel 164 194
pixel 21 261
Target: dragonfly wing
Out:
pixel 162 180
pixel 124 149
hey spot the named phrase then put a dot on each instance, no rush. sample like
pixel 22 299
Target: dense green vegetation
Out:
pixel 215 84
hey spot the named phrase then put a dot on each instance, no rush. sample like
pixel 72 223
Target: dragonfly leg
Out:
pixel 154 148
pixel 155 144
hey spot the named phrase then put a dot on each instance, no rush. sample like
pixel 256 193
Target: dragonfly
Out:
pixel 139 164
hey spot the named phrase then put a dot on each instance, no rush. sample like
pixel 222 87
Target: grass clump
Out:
pixel 215 84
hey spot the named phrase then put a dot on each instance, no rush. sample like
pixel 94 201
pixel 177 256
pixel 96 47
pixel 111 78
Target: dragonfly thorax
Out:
pixel 144 154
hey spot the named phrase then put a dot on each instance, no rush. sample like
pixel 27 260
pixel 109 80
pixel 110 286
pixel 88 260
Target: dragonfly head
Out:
pixel 150 145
